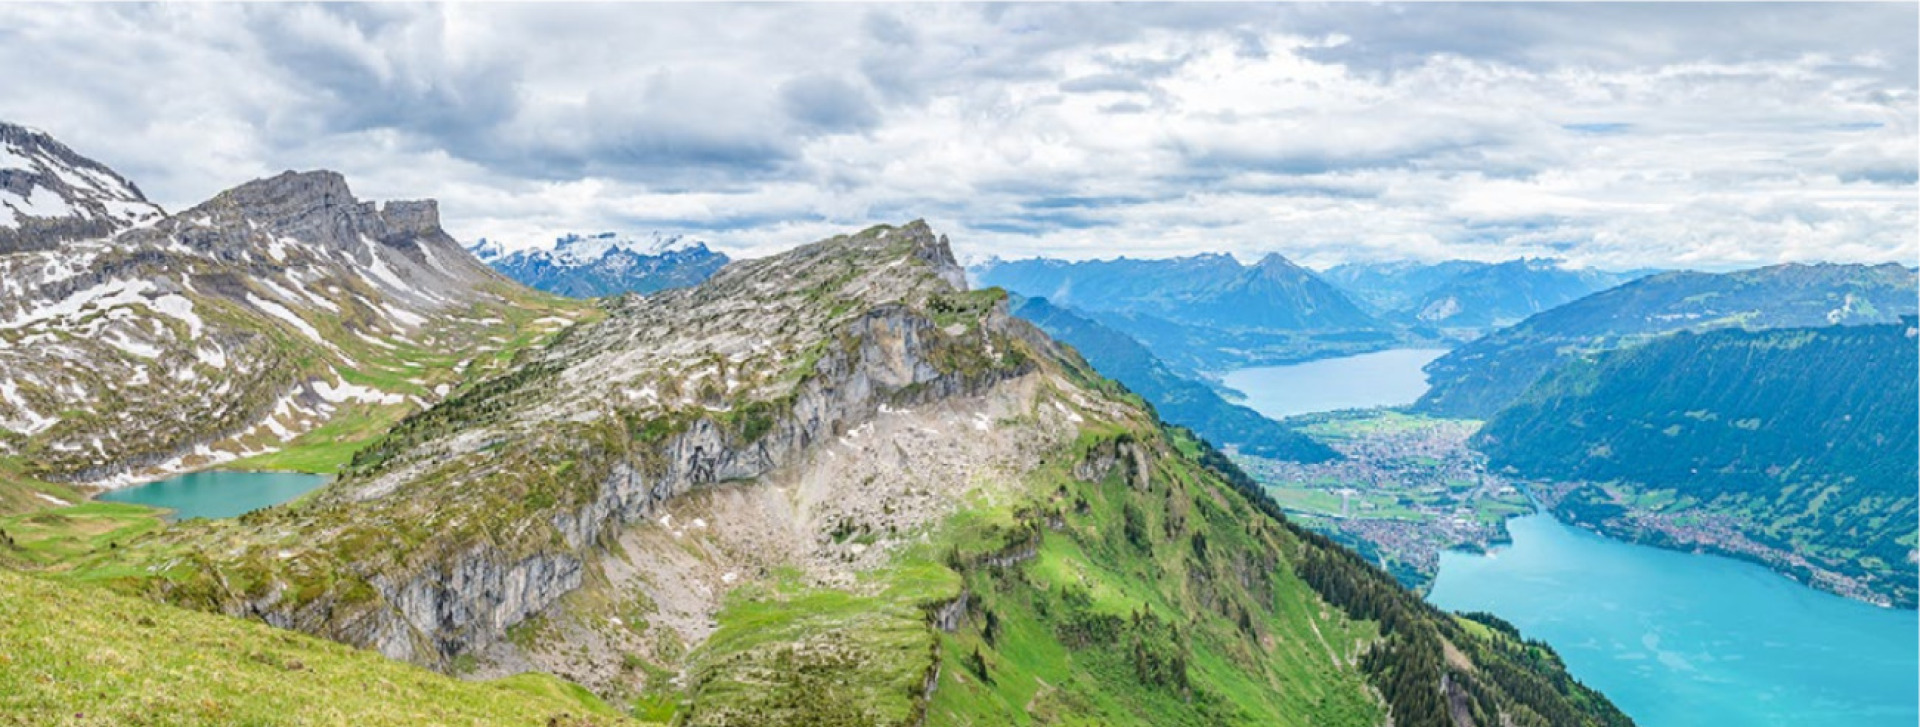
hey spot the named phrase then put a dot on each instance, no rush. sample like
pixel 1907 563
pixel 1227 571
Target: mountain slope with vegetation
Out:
pixel 1798 438
pixel 1394 286
pixel 1178 399
pixel 75 655
pixel 1485 375
pixel 831 487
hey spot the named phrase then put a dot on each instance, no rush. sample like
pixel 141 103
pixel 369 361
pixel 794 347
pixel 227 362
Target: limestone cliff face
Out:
pixel 749 373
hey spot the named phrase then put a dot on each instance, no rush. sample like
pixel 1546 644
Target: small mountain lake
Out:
pixel 217 494
pixel 1684 640
pixel 1382 378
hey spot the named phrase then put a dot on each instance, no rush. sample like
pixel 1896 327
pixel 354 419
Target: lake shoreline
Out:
pixel 1679 640
pixel 1795 567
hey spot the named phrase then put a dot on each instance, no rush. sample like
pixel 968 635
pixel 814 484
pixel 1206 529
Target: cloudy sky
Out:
pixel 1707 136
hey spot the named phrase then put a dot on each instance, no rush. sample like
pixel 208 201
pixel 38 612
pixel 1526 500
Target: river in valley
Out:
pixel 216 493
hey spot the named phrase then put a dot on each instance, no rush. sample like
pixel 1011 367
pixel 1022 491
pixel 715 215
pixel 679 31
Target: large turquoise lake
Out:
pixel 1685 640
pixel 1381 378
pixel 217 494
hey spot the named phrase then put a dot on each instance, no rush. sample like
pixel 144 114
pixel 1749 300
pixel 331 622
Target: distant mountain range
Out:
pixel 1212 289
pixel 591 266
pixel 1178 399
pixel 1803 437
pixel 1205 312
pixel 1460 294
pixel 1485 375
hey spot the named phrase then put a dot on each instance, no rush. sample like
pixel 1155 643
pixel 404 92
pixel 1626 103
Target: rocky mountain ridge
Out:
pixel 803 492
pixel 50 195
pixel 155 344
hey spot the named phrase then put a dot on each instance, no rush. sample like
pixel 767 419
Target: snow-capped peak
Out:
pixel 580 249
pixel 487 250
pixel 70 196
pixel 576 250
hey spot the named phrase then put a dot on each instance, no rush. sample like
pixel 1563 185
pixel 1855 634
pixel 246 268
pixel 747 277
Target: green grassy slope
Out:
pixel 82 656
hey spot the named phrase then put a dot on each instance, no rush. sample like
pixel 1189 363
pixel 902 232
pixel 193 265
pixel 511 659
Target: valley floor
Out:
pixel 1408 489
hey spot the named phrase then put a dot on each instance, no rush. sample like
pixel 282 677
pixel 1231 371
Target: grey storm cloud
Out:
pixel 1620 134
pixel 828 104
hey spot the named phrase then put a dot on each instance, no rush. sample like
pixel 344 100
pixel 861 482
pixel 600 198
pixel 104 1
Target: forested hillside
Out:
pixel 1484 376
pixel 1804 435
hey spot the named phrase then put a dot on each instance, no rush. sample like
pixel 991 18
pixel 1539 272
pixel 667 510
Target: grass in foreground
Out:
pixel 85 656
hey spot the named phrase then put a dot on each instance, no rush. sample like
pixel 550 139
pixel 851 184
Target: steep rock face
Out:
pixel 741 396
pixel 50 195
pixel 153 344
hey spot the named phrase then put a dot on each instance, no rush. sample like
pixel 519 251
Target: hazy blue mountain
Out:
pixel 1213 289
pixel 1483 376
pixel 1393 286
pixel 1205 312
pixel 1178 399
pixel 1506 293
pixel 1806 435
pixel 591 266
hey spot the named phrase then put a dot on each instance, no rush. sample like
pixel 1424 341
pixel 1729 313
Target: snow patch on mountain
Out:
pixel 575 250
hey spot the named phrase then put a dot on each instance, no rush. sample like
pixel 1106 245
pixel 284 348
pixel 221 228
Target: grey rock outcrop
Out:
pixel 731 382
pixel 50 195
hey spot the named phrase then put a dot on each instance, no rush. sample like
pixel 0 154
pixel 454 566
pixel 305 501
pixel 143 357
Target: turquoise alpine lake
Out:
pixel 218 494
pixel 1689 640
pixel 1382 378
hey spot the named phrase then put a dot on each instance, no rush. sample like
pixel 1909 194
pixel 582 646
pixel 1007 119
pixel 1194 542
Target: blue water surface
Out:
pixel 1688 640
pixel 1382 378
pixel 218 494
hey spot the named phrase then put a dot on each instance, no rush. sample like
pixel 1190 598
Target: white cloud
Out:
pixel 1636 135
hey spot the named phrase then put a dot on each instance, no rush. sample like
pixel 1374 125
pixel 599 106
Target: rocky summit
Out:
pixel 135 344
pixel 835 486
pixel 50 195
